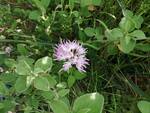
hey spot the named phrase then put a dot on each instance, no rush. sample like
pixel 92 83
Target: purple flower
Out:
pixel 73 54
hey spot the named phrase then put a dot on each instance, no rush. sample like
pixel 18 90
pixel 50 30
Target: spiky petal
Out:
pixel 73 54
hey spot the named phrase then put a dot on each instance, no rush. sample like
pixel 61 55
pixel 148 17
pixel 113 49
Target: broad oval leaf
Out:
pixel 138 34
pixel 89 31
pixel 127 24
pixel 114 34
pixel 126 47
pixel 144 106
pixel 59 106
pixel 43 65
pixel 20 85
pixel 90 2
pixel 93 101
pixel 23 68
pixel 41 83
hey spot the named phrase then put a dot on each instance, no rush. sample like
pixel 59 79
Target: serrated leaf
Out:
pixel 41 83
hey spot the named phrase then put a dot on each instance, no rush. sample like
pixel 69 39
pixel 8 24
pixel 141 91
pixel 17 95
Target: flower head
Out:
pixel 73 54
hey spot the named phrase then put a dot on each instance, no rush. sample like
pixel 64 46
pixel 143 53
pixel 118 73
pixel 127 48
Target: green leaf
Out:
pixel 85 3
pixel 144 106
pixel 92 101
pixel 22 50
pixel 90 2
pixel 84 111
pixel 98 33
pixel 128 13
pixel 35 15
pixel 45 3
pixel 89 31
pixel 30 61
pixel 71 3
pixel 41 83
pixel 1 105
pixel 8 105
pixel 29 80
pixel 96 2
pixel 126 47
pixel 138 34
pixel 24 67
pixel 52 81
pixel 128 39
pixel 138 20
pixel 112 49
pixel 3 88
pixel 71 81
pixel 8 77
pixel 127 24
pixel 48 95
pixel 43 65
pixel 82 35
pixel 63 92
pixel 61 85
pixel 20 85
pixel 114 34
pixel 39 4
pixel 59 106
pixel 10 63
pixel 78 75
pixel 27 109
pixel 143 47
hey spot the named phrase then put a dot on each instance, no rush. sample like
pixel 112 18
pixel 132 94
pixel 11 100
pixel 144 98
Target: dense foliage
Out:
pixel 116 36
